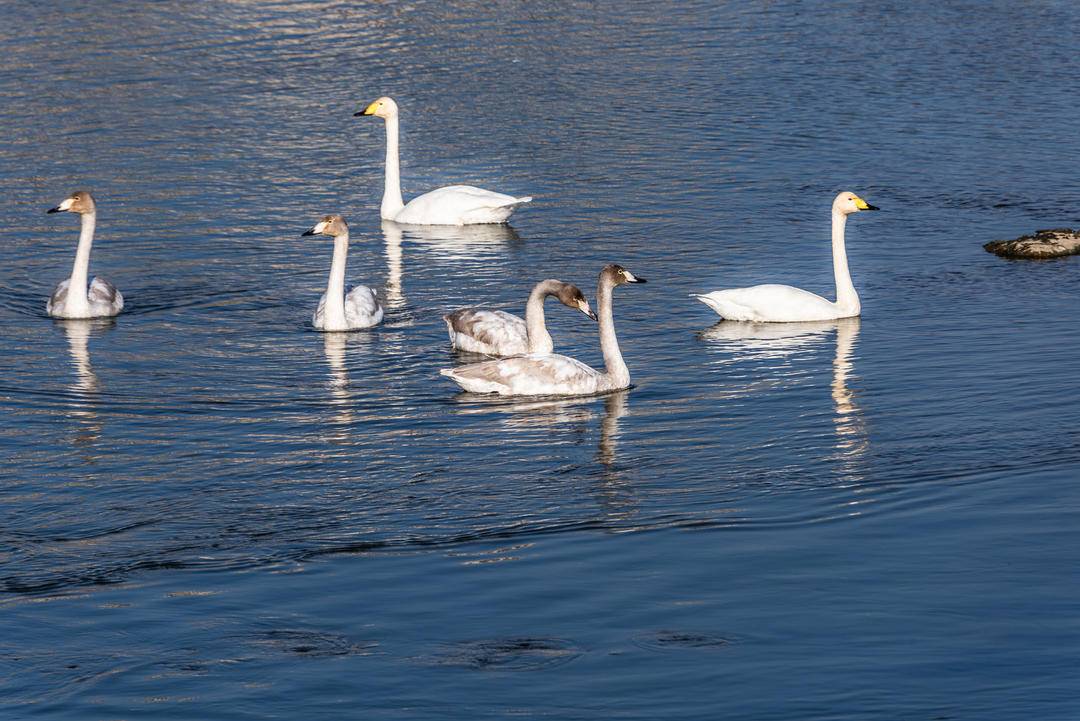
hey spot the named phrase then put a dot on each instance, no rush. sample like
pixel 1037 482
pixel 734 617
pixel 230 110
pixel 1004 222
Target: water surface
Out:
pixel 212 511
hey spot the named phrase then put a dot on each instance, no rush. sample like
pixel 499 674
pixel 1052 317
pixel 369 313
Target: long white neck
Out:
pixel 617 371
pixel 846 297
pixel 391 200
pixel 539 338
pixel 334 310
pixel 76 299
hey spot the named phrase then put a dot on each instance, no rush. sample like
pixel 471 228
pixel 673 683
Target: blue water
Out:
pixel 210 511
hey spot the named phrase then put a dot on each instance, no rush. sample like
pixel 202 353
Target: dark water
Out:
pixel 210 511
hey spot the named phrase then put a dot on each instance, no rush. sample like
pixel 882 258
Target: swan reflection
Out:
pixel 459 241
pixel 767 340
pixel 852 438
pixel 338 382
pixel 395 292
pixel 613 492
pixel 85 389
pixel 779 341
pixel 576 415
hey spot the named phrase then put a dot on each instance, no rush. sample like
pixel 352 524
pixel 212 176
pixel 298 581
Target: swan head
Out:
pixel 384 107
pixel 333 225
pixel 572 297
pixel 847 203
pixel 79 202
pixel 615 274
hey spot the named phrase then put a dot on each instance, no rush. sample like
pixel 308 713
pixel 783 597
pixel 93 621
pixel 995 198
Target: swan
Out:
pixel 784 304
pixel 71 298
pixel 451 205
pixel 340 309
pixel 497 333
pixel 554 374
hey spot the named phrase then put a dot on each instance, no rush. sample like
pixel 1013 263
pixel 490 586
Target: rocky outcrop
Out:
pixel 1043 244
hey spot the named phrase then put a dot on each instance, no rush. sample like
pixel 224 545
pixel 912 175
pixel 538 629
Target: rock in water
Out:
pixel 1043 244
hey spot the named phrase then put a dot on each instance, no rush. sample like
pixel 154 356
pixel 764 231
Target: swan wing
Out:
pixel 58 299
pixel 459 205
pixel 528 375
pixel 317 317
pixel 102 297
pixel 480 330
pixel 770 304
pixel 362 308
pixel 105 296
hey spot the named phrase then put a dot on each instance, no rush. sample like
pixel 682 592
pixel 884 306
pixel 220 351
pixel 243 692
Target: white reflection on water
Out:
pixel 767 340
pixel 781 341
pixel 395 292
pixel 612 491
pixel 334 346
pixel 86 388
pixel 460 242
pixel 850 429
pixel 852 439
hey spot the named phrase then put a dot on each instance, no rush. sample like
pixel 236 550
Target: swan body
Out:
pixel 73 297
pixel 555 374
pixel 771 303
pixel 362 310
pixel 498 333
pixel 775 303
pixel 342 309
pixel 450 205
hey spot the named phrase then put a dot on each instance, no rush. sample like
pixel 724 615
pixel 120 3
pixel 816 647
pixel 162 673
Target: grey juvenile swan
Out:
pixel 554 374
pixel 72 298
pixel 340 308
pixel 498 333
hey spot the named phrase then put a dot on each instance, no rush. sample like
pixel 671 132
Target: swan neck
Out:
pixel 334 310
pixel 392 202
pixel 80 271
pixel 846 298
pixel 617 372
pixel 535 326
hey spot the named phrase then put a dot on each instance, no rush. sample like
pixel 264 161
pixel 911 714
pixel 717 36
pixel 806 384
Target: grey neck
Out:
pixel 617 371
pixel 535 327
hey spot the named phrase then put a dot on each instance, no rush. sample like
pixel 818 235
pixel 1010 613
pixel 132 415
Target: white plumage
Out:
pixel 498 333
pixel 338 309
pixel 449 205
pixel 774 303
pixel 554 374
pixel 74 297
pixel 362 309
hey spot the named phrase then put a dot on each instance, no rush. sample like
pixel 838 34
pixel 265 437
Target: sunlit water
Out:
pixel 211 511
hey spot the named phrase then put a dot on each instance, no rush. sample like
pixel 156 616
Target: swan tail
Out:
pixel 515 203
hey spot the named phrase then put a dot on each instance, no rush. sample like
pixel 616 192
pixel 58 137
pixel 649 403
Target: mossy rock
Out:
pixel 1042 244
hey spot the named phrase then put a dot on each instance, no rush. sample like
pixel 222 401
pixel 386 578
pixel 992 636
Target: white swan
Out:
pixel 784 303
pixel 452 205
pixel 554 374
pixel 340 309
pixel 72 298
pixel 498 333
